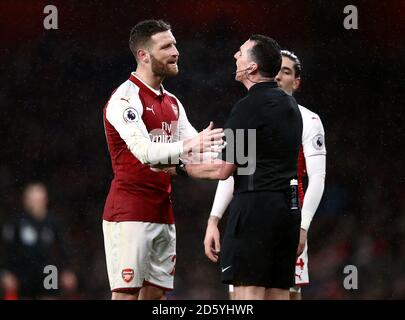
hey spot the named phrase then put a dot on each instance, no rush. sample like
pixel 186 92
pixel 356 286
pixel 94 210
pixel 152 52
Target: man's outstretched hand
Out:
pixel 208 140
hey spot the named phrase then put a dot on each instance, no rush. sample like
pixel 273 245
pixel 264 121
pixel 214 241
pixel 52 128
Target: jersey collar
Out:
pixel 267 84
pixel 140 83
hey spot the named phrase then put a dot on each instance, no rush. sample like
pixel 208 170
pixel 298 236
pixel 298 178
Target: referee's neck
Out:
pixel 252 80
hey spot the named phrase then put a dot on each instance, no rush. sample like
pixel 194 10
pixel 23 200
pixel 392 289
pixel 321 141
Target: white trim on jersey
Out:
pixel 124 111
pixel 157 92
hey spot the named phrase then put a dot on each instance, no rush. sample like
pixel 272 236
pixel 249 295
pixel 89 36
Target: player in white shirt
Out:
pixel 311 163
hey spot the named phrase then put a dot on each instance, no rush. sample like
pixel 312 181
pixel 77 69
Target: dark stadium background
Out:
pixel 55 83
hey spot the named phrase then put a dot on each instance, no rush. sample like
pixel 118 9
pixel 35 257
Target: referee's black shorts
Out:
pixel 260 241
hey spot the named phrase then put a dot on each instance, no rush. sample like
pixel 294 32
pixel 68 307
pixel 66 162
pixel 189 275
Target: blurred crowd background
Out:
pixel 54 84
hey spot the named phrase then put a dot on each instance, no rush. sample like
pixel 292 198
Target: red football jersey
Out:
pixel 137 193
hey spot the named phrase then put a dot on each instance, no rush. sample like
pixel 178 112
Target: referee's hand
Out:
pixel 211 242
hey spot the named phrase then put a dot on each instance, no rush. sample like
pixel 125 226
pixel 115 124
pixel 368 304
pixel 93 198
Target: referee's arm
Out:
pixel 222 169
pixel 215 170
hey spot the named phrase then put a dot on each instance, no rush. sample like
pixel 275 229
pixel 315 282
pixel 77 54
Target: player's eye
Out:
pixel 167 46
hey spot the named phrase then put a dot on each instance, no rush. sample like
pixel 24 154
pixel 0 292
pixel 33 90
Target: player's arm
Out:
pixel 127 120
pixel 315 160
pixel 185 130
pixel 214 170
pixel 222 169
pixel 316 183
pixel 316 171
pixel 223 197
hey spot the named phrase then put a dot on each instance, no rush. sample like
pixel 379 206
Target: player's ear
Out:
pixel 142 55
pixel 252 67
pixel 297 83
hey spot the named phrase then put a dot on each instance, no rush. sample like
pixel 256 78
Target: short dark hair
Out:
pixel 142 32
pixel 293 57
pixel 267 54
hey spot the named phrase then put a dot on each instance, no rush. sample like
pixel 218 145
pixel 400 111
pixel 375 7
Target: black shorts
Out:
pixel 260 241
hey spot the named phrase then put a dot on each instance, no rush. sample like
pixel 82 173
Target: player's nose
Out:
pixel 175 52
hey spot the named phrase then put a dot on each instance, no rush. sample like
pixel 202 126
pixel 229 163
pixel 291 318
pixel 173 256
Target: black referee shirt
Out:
pixel 277 123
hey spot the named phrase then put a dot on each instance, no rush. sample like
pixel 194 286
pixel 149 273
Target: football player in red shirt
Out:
pixel 146 126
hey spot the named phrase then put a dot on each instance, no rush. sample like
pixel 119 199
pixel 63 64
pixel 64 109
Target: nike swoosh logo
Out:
pixel 224 269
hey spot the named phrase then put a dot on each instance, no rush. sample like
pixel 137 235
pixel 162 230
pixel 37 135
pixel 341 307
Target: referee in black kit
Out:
pixel 261 238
